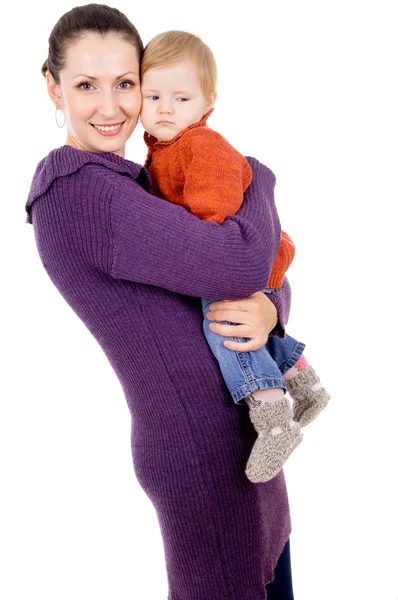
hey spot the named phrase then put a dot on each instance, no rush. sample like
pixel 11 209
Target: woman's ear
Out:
pixel 53 90
pixel 211 101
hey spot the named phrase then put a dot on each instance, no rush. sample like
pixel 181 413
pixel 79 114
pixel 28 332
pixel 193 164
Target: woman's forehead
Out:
pixel 101 55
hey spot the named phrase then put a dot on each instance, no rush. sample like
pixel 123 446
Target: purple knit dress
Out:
pixel 133 268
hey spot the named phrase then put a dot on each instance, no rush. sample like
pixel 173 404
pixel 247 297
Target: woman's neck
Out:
pixel 70 141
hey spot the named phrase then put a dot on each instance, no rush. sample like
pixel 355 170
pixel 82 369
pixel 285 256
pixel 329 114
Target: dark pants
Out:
pixel 281 588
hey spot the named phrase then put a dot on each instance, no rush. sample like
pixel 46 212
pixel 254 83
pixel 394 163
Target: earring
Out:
pixel 57 111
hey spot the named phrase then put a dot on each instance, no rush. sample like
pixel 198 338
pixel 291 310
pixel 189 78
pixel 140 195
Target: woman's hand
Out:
pixel 255 316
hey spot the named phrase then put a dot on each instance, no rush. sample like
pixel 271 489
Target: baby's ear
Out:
pixel 211 100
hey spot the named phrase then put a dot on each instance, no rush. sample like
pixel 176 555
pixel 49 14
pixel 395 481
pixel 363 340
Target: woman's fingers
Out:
pixel 255 317
pixel 234 316
pixel 249 346
pixel 241 331
pixel 241 305
pixel 251 339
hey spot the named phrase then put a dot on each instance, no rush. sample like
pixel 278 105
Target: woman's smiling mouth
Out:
pixel 108 130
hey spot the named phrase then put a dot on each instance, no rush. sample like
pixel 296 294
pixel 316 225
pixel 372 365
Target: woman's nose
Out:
pixel 108 105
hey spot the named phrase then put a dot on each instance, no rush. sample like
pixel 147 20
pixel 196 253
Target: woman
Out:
pixel 132 267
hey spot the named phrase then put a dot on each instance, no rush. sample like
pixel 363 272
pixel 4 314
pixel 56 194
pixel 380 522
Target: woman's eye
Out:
pixel 125 85
pixel 83 85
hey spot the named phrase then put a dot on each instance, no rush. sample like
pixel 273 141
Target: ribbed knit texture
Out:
pixel 106 244
pixel 200 170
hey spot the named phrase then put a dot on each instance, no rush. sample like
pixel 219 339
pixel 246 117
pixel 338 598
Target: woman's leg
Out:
pixel 281 588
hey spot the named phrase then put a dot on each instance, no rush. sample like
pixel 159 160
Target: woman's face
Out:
pixel 99 93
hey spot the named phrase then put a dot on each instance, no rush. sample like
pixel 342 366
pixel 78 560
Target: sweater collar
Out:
pixel 66 160
pixel 153 143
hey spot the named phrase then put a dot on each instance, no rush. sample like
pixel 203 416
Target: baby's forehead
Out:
pixel 182 64
pixel 183 72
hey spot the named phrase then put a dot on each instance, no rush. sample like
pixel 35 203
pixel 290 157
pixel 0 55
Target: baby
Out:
pixel 195 167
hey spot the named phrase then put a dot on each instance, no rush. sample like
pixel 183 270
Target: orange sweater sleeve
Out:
pixel 282 261
pixel 215 175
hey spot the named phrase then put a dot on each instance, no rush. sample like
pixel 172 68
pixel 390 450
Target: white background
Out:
pixel 309 88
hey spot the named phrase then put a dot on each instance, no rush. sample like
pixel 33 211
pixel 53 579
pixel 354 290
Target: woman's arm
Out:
pixel 158 243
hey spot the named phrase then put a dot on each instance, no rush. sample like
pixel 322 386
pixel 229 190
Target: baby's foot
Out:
pixel 278 436
pixel 309 397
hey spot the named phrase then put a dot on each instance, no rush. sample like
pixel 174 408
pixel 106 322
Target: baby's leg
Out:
pixel 272 418
pixel 303 384
pixel 309 396
pixel 254 378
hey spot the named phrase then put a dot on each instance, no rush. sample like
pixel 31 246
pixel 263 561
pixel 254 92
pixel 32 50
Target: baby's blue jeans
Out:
pixel 246 372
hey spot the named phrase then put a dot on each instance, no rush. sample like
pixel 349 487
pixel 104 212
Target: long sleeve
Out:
pixel 161 244
pixel 95 208
pixel 283 261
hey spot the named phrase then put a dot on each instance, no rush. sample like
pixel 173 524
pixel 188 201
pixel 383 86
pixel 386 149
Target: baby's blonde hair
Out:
pixel 171 46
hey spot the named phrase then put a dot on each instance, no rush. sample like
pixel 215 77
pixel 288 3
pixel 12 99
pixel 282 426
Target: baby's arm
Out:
pixel 215 175
pixel 220 194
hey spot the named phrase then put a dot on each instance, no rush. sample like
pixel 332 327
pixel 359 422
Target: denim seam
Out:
pixel 293 358
pixel 257 384
pixel 249 375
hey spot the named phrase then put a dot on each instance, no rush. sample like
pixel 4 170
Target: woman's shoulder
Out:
pixel 261 170
pixel 69 162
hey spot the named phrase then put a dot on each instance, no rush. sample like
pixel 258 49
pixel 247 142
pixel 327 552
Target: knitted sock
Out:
pixel 276 439
pixel 309 397
pixel 257 398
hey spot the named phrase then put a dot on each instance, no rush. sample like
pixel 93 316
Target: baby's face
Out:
pixel 172 100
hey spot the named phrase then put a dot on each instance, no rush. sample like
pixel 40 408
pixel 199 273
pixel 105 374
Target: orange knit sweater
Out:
pixel 201 171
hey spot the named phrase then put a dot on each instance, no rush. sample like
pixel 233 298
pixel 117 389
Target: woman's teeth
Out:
pixel 107 127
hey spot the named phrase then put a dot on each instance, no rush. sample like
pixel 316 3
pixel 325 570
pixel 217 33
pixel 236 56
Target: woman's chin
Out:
pixel 108 145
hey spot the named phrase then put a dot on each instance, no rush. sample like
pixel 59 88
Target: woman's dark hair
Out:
pixel 92 18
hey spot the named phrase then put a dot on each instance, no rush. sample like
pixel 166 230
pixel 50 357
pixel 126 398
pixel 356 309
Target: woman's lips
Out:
pixel 108 130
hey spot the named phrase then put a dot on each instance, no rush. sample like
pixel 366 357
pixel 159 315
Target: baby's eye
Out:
pixel 154 98
pixel 182 99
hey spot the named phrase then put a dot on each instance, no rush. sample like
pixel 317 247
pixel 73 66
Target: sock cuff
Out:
pixel 305 378
pixel 272 414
